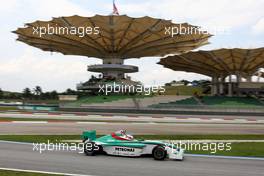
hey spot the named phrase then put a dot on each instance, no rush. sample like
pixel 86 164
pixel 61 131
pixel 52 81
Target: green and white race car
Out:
pixel 122 144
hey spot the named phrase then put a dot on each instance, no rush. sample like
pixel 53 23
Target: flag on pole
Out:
pixel 115 10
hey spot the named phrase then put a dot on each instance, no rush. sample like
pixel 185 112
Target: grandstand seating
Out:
pixel 141 102
pixel 230 101
pixel 187 101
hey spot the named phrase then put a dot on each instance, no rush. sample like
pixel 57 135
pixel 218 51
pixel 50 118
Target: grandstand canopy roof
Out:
pixel 221 62
pixel 119 37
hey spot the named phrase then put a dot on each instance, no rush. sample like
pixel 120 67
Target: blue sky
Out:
pixel 24 66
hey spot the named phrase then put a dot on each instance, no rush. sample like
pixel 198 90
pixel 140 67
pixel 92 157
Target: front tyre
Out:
pixel 89 148
pixel 159 153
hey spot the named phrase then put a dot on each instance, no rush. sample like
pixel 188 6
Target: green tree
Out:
pixel 45 95
pixel 38 90
pixel 186 82
pixel 54 94
pixel 27 93
pixel 1 93
pixel 70 92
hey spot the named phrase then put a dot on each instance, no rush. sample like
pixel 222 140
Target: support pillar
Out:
pixel 214 90
pixel 212 87
pixel 239 79
pixel 249 78
pixel 221 85
pixel 230 89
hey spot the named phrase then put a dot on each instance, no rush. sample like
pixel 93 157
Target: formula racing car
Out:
pixel 122 144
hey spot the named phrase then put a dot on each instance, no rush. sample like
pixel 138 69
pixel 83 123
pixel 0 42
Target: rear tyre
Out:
pixel 89 148
pixel 159 153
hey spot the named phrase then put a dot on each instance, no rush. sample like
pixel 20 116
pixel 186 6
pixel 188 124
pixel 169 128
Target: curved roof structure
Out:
pixel 119 37
pixel 221 62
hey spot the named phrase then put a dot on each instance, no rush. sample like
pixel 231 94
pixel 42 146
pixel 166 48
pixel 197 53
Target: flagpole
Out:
pixel 113 4
pixel 115 10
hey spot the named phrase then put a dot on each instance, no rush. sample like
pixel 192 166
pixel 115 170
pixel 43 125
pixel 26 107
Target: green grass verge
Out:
pixel 182 90
pixel 249 149
pixel 54 101
pixel 103 99
pixel 27 119
pixel 16 173
pixel 6 108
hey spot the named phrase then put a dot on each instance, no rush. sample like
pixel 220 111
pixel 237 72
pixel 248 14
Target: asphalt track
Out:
pixel 22 156
pixel 82 115
pixel 72 124
pixel 135 128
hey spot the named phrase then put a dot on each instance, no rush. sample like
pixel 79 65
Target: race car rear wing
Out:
pixel 91 135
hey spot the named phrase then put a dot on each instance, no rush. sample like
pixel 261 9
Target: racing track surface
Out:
pixel 135 128
pixel 21 156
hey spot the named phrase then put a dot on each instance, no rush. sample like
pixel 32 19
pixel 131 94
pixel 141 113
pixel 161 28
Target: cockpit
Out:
pixel 122 135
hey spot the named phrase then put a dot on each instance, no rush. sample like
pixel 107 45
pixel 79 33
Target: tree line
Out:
pixel 35 94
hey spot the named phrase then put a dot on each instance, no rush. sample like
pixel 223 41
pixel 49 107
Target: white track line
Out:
pixel 94 116
pixel 41 172
pixel 194 119
pixel 92 122
pixel 14 142
pixel 116 116
pixel 216 119
pixel 225 157
pixel 31 122
pixel 144 123
pixel 260 121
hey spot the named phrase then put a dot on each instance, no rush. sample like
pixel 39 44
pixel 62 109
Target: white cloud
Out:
pixel 55 8
pixel 48 71
pixel 8 7
pixel 258 28
pixel 23 66
pixel 235 13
